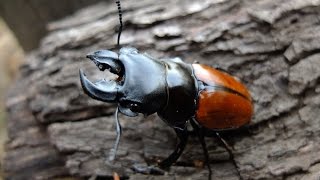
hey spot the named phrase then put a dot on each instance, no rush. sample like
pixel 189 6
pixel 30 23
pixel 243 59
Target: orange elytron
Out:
pixel 223 102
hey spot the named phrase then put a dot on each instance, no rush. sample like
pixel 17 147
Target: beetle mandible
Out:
pixel 209 99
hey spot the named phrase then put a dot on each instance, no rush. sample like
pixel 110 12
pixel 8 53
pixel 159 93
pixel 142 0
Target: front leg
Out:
pixel 182 135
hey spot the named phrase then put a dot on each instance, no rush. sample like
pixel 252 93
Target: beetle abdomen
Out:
pixel 223 102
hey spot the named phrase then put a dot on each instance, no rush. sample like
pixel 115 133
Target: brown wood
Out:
pixel 273 46
pixel 220 109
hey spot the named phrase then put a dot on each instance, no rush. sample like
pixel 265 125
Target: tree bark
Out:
pixel 55 130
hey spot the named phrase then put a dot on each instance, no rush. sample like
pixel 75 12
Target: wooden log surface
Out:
pixel 273 46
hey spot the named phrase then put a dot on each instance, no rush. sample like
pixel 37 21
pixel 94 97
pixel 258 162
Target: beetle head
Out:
pixel 140 86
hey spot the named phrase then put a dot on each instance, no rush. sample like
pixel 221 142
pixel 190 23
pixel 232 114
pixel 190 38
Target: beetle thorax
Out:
pixel 182 93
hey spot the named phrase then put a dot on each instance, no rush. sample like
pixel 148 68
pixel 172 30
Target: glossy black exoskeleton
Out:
pixel 208 99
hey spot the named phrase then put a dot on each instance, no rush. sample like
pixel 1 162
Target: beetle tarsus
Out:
pixel 113 151
pixel 228 148
pixel 144 169
pixel 183 138
pixel 182 135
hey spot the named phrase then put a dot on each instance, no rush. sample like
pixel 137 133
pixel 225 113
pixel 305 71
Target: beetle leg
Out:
pixel 183 137
pixel 205 152
pixel 200 133
pixel 182 134
pixel 228 148
pixel 144 169
pixel 113 151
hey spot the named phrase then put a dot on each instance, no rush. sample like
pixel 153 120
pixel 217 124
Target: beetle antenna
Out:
pixel 120 20
pixel 113 151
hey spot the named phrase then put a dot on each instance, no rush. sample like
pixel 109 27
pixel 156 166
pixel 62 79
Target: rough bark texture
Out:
pixel 272 46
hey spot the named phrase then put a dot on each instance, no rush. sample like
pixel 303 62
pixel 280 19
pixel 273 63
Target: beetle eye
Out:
pixel 128 108
pixel 134 107
pixel 100 66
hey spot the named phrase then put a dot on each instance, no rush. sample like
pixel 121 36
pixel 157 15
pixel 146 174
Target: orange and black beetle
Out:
pixel 180 93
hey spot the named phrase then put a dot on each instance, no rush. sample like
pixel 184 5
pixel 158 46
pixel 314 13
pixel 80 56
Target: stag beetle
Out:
pixel 210 99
